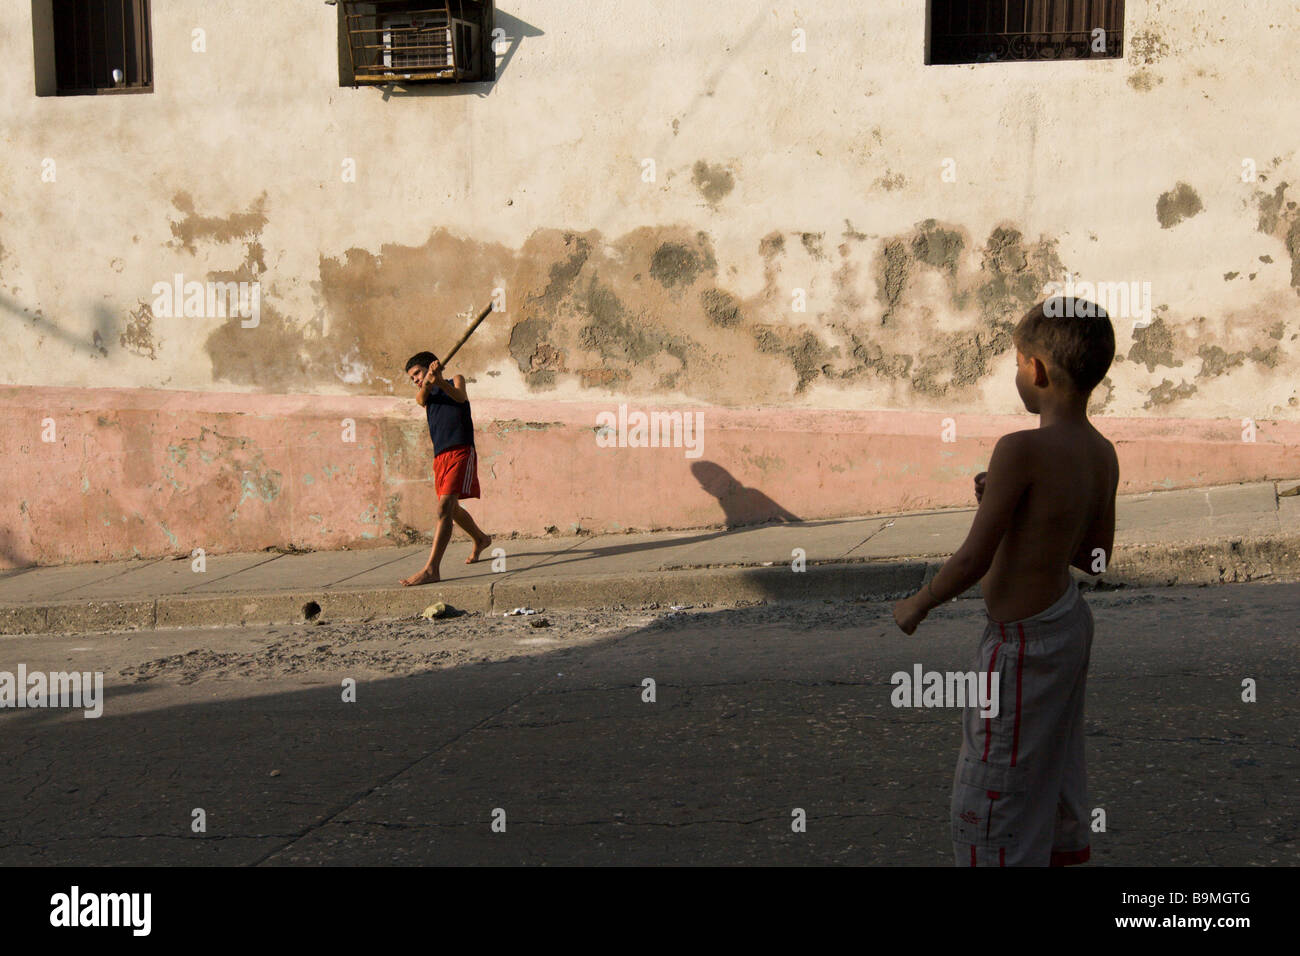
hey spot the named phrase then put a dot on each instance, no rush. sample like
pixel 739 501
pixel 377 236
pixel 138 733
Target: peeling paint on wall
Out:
pixel 1280 217
pixel 1178 204
pixel 244 473
pixel 1167 393
pixel 677 290
pixel 138 337
pixel 1154 346
pixel 1146 47
pixel 647 312
pixel 187 231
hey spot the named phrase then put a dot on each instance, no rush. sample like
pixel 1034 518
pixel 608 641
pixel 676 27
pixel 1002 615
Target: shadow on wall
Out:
pixel 13 558
pixel 105 327
pixel 740 505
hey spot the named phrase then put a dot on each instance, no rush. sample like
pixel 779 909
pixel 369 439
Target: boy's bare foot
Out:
pixel 478 548
pixel 425 576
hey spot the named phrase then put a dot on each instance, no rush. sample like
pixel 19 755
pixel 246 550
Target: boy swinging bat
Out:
pixel 455 463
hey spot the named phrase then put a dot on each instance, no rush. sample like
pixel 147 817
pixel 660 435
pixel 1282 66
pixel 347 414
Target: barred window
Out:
pixel 415 41
pixel 987 31
pixel 92 46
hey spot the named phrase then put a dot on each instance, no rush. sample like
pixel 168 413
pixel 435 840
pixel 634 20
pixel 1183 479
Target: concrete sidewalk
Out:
pixel 1231 533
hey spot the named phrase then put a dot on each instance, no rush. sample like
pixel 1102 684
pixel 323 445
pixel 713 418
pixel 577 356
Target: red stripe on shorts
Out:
pixel 988 689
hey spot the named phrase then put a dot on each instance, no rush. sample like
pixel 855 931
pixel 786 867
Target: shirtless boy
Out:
pixel 455 463
pixel 1046 503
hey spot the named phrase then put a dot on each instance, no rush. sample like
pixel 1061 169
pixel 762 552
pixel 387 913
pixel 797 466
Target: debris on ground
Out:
pixel 434 610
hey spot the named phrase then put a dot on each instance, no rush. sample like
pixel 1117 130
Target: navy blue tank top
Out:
pixel 450 423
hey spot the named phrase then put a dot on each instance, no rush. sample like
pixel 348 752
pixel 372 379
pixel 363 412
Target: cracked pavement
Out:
pixel 760 710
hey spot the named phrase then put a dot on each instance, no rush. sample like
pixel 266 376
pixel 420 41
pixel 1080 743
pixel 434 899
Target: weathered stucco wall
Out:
pixel 150 472
pixel 775 171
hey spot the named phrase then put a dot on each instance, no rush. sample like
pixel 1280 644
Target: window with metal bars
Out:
pixel 92 46
pixel 415 41
pixel 988 31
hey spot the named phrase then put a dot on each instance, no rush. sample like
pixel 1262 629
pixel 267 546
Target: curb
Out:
pixel 1232 560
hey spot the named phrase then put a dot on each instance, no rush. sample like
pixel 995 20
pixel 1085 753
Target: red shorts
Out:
pixel 455 472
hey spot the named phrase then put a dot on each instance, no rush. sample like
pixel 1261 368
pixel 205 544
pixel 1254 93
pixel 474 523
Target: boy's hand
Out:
pixel 909 612
pixel 979 486
pixel 435 371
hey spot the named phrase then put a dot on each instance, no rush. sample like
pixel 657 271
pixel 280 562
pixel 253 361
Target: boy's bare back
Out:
pixel 1059 482
pixel 1047 503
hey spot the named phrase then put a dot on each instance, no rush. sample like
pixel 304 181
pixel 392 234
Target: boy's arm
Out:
pixel 1101 536
pixel 1008 479
pixel 454 387
pixel 426 390
pixel 433 380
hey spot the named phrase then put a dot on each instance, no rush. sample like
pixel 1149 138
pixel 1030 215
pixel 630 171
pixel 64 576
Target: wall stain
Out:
pixel 244 473
pixel 1178 204
pixel 506 426
pixel 1166 393
pixel 675 264
pixel 649 311
pixel 721 307
pixel 1144 81
pixel 713 182
pixel 1215 361
pixel 536 357
pixel 275 354
pixel 812 244
pixel 1146 48
pixel 938 247
pixel 771 245
pixel 137 337
pixel 193 227
pixel 1154 345
pixel 890 181
pixel 804 351
pixel 1279 217
pixel 891 276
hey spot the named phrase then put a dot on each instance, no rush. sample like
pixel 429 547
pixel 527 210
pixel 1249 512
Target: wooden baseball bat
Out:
pixel 446 360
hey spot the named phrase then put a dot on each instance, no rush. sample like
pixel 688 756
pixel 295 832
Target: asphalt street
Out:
pixel 759 712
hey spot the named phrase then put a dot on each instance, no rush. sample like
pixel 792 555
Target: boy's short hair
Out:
pixel 422 359
pixel 1075 334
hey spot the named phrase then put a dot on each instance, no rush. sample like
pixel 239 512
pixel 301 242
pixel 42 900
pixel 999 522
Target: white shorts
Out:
pixel 1020 791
